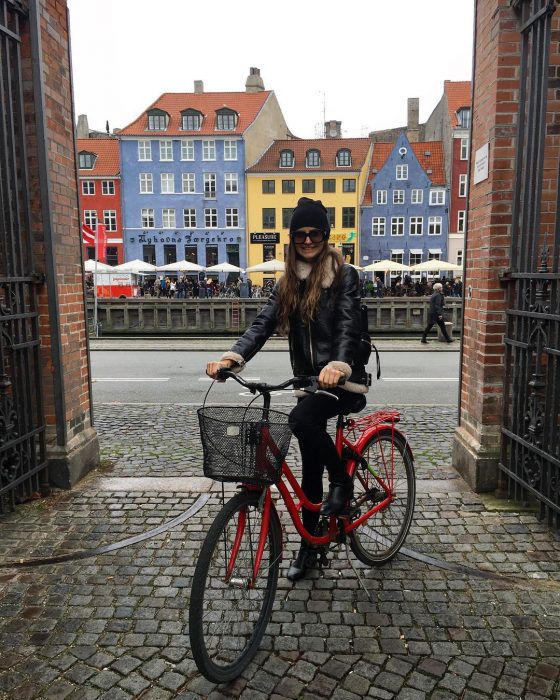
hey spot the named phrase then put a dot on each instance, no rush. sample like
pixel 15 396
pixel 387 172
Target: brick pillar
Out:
pixel 73 447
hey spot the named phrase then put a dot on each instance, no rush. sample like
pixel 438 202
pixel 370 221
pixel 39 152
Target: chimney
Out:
pixel 333 129
pixel 413 119
pixel 198 87
pixel 254 82
pixel 82 130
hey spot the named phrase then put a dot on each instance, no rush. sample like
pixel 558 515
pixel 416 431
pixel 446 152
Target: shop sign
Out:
pixel 185 237
pixel 265 237
pixel 349 237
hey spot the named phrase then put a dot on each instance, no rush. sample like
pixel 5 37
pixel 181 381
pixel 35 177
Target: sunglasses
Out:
pixel 315 236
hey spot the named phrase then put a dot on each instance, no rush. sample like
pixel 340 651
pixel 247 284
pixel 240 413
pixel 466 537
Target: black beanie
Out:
pixel 310 212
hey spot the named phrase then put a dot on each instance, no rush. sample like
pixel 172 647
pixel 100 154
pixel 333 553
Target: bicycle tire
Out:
pixel 379 538
pixel 227 622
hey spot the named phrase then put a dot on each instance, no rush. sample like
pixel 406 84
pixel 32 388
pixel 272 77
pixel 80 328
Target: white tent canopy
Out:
pixel 180 266
pixel 386 266
pixel 96 266
pixel 435 265
pixel 136 267
pixel 224 267
pixel 268 266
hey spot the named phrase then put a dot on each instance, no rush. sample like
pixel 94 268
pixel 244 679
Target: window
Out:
pixel 464 117
pixel 110 220
pixel 146 183
pixel 108 186
pixel 189 218
pixel 434 226
pixel 461 221
pixel 191 254
pixel 210 185
pixel 459 257
pixel 232 254
pixel 313 158
pixel 226 120
pixel 348 217
pixel 88 186
pixel 211 218
pixel 86 160
pixel 269 251
pixel 415 259
pixel 166 150
pixel 167 183
pixel 402 172
pixel 208 150
pixel 397 257
pixel 349 185
pixel 329 185
pixel 437 197
pixel 168 218
pixel 382 196
pixel 287 216
pixel 288 186
pixel 417 196
pixel 157 121
pixel 464 149
pixel 191 120
pixel 169 254
pixel 231 183
pixel 463 185
pixel 433 256
pixel 268 218
pixel 90 219
pixel 188 183
pixel 211 255
pixel 149 254
pixel 230 150
pixel 268 186
pixel 398 196
pixel 308 186
pixel 187 149
pixel 286 159
pixel 378 226
pixel 148 218
pixel 397 226
pixel 232 218
pixel 416 225
pixel 90 252
pixel 343 158
pixel 111 256
pixel 144 150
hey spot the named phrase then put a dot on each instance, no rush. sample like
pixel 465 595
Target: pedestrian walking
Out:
pixel 317 304
pixel 435 313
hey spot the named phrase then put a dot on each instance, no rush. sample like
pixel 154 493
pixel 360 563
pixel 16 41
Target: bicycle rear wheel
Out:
pixel 380 537
pixel 227 617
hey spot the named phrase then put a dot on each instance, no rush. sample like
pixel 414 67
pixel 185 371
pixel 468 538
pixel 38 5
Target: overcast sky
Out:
pixel 352 60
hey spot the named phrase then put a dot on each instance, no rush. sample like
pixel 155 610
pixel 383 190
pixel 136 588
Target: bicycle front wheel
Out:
pixel 229 613
pixel 380 537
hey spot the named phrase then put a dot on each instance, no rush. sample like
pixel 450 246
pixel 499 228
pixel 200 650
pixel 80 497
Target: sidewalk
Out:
pixel 113 626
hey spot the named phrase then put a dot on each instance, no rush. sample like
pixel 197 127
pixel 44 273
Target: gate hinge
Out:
pixel 38 277
pixel 505 276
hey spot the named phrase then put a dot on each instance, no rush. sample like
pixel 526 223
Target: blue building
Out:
pixel 183 165
pixel 405 206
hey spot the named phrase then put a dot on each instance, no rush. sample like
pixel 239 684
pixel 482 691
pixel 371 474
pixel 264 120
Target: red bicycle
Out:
pixel 234 583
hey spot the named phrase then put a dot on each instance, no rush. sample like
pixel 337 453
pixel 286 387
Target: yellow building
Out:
pixel 333 170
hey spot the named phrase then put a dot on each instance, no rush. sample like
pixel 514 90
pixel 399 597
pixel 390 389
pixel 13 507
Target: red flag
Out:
pixel 88 235
pixel 101 242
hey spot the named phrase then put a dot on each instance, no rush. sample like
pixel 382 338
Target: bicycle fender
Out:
pixel 385 428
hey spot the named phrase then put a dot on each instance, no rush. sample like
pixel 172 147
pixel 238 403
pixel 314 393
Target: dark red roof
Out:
pixel 328 148
pixel 107 161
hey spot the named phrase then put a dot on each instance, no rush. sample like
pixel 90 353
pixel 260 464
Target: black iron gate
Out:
pixel 22 426
pixel 530 455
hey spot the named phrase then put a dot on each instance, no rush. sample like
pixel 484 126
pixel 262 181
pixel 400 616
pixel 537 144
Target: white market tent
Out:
pixel 136 267
pixel 96 266
pixel 436 265
pixel 268 266
pixel 180 266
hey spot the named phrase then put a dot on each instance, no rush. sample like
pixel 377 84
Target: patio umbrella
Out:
pixel 435 265
pixel 180 266
pixel 96 266
pixel 224 267
pixel 268 266
pixel 356 267
pixel 386 266
pixel 136 267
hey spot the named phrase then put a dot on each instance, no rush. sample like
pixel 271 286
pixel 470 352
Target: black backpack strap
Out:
pixel 378 361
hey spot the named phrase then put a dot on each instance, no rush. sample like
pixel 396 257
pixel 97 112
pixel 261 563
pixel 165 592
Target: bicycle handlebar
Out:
pixel 309 384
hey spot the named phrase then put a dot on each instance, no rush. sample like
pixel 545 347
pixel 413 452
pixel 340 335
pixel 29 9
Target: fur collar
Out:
pixel 303 270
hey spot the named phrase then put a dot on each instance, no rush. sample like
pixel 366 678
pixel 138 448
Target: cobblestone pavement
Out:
pixel 114 626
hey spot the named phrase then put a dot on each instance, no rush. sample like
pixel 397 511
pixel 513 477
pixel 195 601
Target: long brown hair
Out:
pixel 327 264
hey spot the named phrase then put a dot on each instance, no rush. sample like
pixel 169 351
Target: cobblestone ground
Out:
pixel 114 626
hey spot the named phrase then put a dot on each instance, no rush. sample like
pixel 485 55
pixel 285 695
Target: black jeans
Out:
pixel 441 324
pixel 308 422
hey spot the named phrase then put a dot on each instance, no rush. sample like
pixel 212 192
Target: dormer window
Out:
pixel 157 120
pixel 313 158
pixel 464 117
pixel 226 120
pixel 343 158
pixel 86 160
pixel 191 120
pixel 286 159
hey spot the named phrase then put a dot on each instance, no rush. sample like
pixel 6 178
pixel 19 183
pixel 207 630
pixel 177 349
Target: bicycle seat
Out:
pixel 358 405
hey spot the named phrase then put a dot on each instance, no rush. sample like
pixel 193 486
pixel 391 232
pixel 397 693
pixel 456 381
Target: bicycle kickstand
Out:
pixel 360 579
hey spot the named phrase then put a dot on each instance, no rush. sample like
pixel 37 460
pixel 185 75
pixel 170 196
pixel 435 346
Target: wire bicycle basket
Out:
pixel 239 444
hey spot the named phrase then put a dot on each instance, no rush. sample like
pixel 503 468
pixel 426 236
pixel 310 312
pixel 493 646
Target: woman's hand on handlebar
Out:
pixel 330 377
pixel 213 367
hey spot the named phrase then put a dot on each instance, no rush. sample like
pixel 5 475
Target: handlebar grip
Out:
pixel 223 373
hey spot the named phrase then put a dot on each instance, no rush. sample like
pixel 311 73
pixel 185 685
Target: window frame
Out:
pixel 417 196
pixel 346 152
pixel 209 149
pixel 232 214
pixel 348 217
pixel 87 185
pixel 189 212
pixel 398 197
pixel 231 146
pixel 349 184
pixel 268 187
pixel 433 222
pixel 145 215
pixel 210 184
pixel 107 185
pixel 381 195
pixel 464 149
pixel 268 217
pixel 231 117
pixel 167 146
pixel 190 180
pixel 194 116
pixel 169 180
pixel 233 180
pixel 316 158
pixel 187 149
pixel 379 223
pixel 462 188
pixel 434 195
pixel 169 214
pixel 158 120
pixel 414 222
pixel 308 186
pixel 327 183
pixel 288 186
pixel 397 224
pixel 210 214
pixel 401 171
pixel 144 150
pixel 287 158
pixel 461 221
pixel 90 218
pixel 111 216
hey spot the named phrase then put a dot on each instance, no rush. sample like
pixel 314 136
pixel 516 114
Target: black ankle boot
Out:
pixel 338 495
pixel 306 558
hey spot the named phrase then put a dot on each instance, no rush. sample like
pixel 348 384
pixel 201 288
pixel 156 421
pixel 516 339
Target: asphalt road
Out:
pixel 408 378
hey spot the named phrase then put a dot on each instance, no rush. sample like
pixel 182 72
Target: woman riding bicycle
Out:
pixel 317 304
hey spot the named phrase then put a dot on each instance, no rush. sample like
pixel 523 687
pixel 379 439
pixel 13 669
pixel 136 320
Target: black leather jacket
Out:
pixel 437 302
pixel 332 336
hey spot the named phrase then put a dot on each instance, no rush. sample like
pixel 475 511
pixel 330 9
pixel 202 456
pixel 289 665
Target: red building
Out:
pixel 100 194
